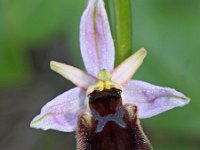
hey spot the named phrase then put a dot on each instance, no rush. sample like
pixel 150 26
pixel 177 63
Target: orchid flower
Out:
pixel 97 49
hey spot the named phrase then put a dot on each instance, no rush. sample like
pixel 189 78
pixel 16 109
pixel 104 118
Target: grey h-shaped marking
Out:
pixel 117 118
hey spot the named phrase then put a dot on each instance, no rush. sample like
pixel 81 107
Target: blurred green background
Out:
pixel 33 32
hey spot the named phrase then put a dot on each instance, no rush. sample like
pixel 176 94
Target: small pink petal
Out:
pixel 75 75
pixel 125 71
pixel 97 47
pixel 61 113
pixel 151 99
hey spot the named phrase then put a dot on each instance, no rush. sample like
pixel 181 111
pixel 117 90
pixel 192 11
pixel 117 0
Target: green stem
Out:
pixel 109 9
pixel 107 6
pixel 122 29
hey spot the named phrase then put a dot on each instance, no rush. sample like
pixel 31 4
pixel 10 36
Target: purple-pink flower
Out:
pixel 97 49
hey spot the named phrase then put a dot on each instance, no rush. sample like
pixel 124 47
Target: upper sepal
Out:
pixel 96 43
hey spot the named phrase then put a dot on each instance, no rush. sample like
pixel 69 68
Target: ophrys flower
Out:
pixel 97 49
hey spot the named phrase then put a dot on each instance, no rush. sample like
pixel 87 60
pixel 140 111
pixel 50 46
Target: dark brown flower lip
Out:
pixel 113 92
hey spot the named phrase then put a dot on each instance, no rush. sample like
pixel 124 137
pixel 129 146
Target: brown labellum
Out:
pixel 111 125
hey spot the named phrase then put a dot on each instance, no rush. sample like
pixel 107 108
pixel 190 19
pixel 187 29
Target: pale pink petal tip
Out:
pixel 152 100
pixel 75 75
pixel 61 113
pixel 96 43
pixel 125 71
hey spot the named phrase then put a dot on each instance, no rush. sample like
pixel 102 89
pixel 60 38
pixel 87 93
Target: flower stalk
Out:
pixel 122 29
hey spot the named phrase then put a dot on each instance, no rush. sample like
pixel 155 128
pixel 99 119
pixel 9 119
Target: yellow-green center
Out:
pixel 104 82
